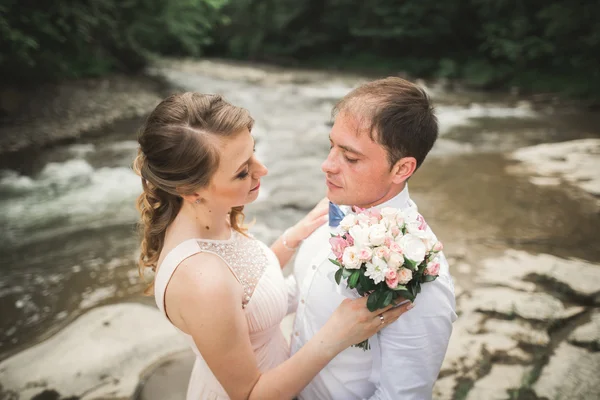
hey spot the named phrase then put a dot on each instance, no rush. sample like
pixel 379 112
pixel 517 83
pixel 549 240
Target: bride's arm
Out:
pixel 285 246
pixel 204 300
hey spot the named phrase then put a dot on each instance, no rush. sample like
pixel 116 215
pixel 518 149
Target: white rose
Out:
pixel 410 214
pixel 363 219
pixel 395 261
pixel 377 234
pixel 350 258
pixel 389 213
pixel 348 222
pixel 404 276
pixel 360 236
pixel 414 248
pixel 376 269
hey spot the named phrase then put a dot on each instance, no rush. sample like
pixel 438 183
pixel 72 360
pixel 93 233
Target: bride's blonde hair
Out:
pixel 177 155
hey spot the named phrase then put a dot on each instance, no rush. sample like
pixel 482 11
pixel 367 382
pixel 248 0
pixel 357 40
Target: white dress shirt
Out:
pixel 412 349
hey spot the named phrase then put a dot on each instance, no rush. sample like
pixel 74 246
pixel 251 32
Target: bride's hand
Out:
pixel 314 219
pixel 352 322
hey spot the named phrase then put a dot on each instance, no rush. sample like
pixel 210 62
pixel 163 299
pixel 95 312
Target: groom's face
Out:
pixel 357 168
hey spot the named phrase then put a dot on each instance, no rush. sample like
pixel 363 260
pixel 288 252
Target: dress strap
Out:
pixel 168 266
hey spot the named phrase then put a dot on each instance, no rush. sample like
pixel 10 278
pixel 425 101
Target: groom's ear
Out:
pixel 403 169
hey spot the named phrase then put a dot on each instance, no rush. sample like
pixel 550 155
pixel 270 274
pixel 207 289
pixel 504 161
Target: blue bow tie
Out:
pixel 336 215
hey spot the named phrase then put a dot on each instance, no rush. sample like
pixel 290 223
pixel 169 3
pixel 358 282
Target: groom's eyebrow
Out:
pixel 347 148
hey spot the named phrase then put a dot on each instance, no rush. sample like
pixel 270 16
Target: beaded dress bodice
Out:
pixel 245 256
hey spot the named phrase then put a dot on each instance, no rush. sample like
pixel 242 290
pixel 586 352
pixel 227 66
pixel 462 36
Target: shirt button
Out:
pixel 297 333
pixel 314 267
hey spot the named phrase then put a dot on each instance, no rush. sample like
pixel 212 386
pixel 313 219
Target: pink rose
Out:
pixel 365 254
pixel 422 223
pixel 438 247
pixel 391 278
pixel 392 283
pixel 433 268
pixel 395 247
pixel 395 231
pixel 387 242
pixel 338 244
pixel 375 213
pixel 404 276
pixel 391 274
pixel 382 252
pixel 349 239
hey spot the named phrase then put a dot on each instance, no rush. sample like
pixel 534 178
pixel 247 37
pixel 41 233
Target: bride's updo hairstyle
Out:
pixel 178 155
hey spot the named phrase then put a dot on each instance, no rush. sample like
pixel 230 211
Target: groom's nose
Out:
pixel 329 166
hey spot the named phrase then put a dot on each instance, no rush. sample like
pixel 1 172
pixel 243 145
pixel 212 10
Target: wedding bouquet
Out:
pixel 384 254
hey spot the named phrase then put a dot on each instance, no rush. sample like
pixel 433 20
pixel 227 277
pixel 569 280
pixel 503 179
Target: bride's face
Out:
pixel 237 180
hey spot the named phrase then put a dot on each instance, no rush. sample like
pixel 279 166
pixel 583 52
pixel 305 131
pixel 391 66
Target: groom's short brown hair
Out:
pixel 398 115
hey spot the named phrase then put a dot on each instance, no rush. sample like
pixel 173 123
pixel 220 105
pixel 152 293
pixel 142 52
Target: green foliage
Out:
pixel 73 38
pixel 551 45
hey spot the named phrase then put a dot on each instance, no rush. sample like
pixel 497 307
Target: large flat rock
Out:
pixel 102 354
pixel 572 374
pixel 575 161
pixel 511 303
pixel 515 265
pixel 495 385
pixel 588 335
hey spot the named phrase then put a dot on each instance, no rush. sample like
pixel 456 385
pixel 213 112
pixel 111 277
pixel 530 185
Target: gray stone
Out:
pixel 511 303
pixel 576 161
pixel 515 265
pixel 589 334
pixel 102 354
pixel 170 379
pixel 495 385
pixel 520 331
pixel 443 389
pixel 571 374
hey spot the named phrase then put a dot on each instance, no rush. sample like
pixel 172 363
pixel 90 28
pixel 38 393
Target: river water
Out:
pixel 67 216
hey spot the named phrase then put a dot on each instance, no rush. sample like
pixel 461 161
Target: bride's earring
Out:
pixel 198 201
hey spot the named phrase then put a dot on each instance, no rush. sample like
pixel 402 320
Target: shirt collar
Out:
pixel 400 201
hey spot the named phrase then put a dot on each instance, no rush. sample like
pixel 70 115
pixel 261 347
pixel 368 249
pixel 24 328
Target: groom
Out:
pixel 382 133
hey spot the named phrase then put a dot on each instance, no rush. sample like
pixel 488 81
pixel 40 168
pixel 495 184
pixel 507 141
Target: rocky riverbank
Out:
pixel 511 190
pixel 55 113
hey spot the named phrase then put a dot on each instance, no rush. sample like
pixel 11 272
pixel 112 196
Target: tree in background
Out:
pixel 537 45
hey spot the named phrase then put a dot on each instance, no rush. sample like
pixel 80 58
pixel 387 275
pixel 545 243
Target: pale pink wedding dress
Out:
pixel 265 303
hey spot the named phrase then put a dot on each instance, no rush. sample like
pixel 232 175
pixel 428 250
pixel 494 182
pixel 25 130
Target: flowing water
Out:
pixel 67 216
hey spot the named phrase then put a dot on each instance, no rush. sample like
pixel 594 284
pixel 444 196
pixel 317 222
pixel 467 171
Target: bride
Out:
pixel 221 288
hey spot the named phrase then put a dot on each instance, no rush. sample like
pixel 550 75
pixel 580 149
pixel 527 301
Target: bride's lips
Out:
pixel 256 187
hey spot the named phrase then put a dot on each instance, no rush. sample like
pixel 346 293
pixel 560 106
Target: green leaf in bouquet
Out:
pixel 418 286
pixel 353 280
pixel 346 273
pixel 428 278
pixel 338 275
pixel 386 299
pixel 406 295
pixel 360 289
pixel 372 301
pixel 365 282
pixel 336 262
pixel 412 289
pixel 410 263
pixel 399 288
